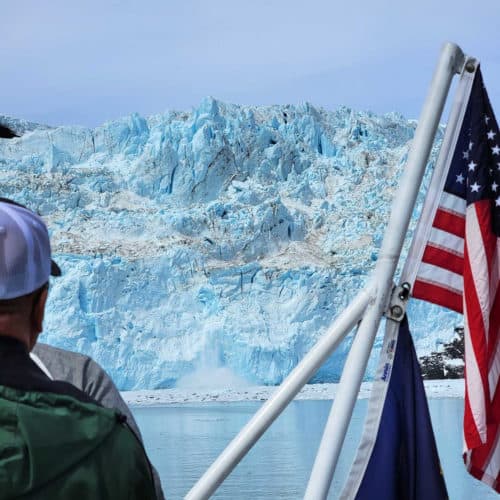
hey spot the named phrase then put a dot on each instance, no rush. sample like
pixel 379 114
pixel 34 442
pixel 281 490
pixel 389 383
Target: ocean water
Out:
pixel 183 440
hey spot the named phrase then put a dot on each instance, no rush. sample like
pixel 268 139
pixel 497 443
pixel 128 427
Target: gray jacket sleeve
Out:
pixel 88 376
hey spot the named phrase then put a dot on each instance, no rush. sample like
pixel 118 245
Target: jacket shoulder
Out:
pixel 60 447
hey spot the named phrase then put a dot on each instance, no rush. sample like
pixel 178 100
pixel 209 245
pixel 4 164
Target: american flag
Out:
pixel 460 267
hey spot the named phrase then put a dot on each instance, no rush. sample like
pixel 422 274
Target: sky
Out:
pixel 86 62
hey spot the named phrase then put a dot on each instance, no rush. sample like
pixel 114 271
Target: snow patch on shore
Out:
pixel 433 388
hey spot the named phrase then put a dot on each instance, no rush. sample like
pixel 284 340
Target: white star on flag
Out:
pixel 495 150
pixel 472 166
pixel 460 178
pixel 475 187
pixel 491 134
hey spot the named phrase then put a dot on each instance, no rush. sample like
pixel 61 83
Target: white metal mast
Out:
pixel 370 304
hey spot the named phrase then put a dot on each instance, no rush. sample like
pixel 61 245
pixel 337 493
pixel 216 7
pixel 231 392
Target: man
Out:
pixel 56 442
pixel 82 371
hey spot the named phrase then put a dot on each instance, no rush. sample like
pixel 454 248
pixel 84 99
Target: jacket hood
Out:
pixel 43 435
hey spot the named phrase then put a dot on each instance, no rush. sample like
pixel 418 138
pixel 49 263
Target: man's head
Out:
pixel 25 255
pixel 25 267
pixel 22 317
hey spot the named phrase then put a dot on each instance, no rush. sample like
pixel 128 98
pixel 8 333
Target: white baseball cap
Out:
pixel 25 258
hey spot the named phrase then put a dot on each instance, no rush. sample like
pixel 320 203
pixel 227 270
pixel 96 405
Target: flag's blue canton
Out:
pixel 474 173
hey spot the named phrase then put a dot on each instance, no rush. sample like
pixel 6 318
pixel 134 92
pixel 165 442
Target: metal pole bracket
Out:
pixel 399 299
pixel 470 64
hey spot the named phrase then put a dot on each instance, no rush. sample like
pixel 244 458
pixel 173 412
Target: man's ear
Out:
pixel 37 316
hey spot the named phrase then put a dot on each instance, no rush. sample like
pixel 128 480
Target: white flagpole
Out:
pixel 273 407
pixel 436 186
pixel 451 62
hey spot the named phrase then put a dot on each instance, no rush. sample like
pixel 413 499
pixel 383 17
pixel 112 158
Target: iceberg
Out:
pixel 224 238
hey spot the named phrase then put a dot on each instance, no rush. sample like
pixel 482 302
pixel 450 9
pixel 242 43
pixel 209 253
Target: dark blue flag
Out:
pixel 397 458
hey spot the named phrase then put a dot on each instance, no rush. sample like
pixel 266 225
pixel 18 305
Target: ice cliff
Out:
pixel 228 237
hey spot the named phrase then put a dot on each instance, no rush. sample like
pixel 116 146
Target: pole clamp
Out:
pixel 399 300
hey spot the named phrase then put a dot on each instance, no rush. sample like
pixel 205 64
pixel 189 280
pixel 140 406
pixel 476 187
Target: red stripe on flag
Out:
pixel 482 328
pixel 438 295
pixel 469 426
pixel 483 211
pixel 441 257
pixel 494 331
pixel 451 222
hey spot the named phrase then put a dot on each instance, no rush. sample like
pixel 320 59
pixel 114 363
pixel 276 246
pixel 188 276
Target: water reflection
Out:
pixel 184 440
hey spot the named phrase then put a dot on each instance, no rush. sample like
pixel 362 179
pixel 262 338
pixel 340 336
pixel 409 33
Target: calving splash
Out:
pixel 222 240
pixel 211 373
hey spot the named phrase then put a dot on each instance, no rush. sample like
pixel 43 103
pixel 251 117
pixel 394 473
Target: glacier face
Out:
pixel 228 237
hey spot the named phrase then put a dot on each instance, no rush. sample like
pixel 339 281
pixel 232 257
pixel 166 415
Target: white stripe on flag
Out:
pixel 452 203
pixel 478 261
pixel 494 373
pixel 475 389
pixel 494 367
pixel 495 273
pixel 493 464
pixel 440 277
pixel 447 241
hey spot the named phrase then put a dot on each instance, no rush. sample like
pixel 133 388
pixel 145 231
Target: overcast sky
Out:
pixel 85 62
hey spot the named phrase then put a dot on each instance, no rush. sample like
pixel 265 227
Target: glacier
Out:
pixel 220 240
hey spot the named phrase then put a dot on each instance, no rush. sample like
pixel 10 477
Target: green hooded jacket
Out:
pixel 53 446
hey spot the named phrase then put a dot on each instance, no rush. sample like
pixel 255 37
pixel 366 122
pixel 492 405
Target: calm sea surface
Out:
pixel 182 442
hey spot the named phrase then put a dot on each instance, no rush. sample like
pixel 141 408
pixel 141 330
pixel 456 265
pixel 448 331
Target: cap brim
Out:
pixel 55 270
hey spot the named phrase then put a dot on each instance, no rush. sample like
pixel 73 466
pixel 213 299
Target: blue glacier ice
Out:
pixel 227 237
